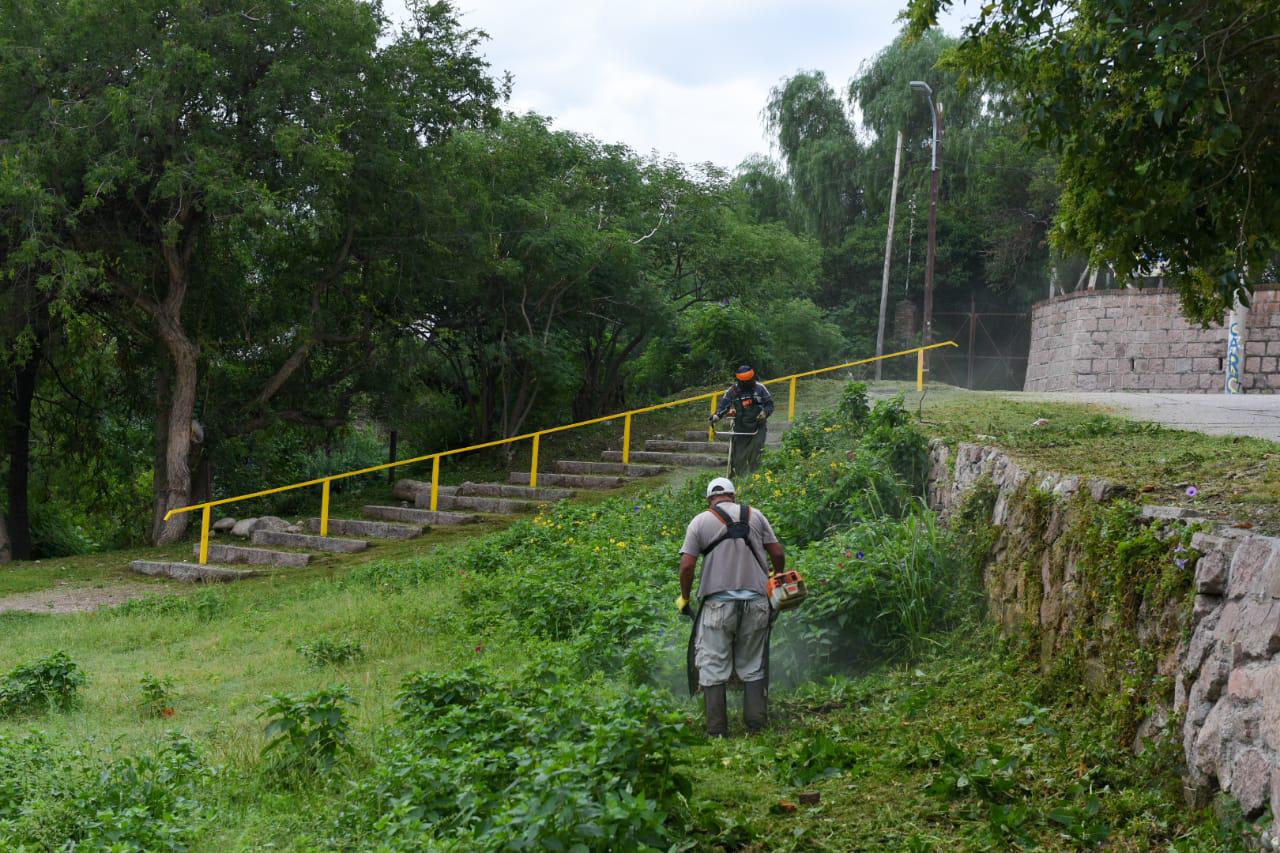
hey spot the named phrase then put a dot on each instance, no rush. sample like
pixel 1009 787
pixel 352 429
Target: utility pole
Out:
pixel 888 254
pixel 935 111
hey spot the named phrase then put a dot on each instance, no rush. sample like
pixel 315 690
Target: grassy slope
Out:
pixel 1238 479
pixel 241 646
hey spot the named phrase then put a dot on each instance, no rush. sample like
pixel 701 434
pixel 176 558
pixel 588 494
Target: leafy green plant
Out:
pixel 52 683
pixel 307 733
pixel 58 800
pixel 543 762
pixel 325 652
pixel 203 605
pixel 156 696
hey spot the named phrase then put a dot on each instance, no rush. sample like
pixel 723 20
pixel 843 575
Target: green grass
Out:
pixel 1237 478
pixel 886 749
pixel 900 759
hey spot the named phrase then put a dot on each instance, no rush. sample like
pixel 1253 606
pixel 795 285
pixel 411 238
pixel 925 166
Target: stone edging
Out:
pixel 1227 676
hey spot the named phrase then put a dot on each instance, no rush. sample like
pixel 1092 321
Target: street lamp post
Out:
pixel 935 111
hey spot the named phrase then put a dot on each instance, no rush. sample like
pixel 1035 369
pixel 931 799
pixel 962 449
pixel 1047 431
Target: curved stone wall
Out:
pixel 1138 340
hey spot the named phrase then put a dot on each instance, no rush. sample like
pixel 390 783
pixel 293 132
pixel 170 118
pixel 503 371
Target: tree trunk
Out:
pixel 19 516
pixel 173 479
pixel 6 553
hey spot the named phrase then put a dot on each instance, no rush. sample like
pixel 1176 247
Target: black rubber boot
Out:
pixel 717 712
pixel 755 705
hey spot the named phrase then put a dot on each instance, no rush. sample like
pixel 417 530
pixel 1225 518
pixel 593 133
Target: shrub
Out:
pixel 539 763
pixel 204 605
pixel 324 652
pixel 52 683
pixel 56 532
pixel 56 801
pixel 308 733
pixel 156 699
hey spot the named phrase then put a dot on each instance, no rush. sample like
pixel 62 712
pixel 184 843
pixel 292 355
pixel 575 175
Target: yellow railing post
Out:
pixel 791 400
pixel 204 535
pixel 324 509
pixel 533 464
pixel 626 440
pixel 920 370
pixel 711 430
pixel 435 482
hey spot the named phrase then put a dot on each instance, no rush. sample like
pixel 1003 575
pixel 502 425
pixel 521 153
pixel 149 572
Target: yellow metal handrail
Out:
pixel 536 437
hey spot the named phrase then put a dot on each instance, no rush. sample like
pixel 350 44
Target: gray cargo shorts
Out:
pixel 731 637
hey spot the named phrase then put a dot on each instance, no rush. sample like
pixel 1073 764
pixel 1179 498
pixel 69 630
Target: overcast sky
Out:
pixel 682 77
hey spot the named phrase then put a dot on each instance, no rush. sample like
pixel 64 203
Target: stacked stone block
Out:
pixel 1226 676
pixel 1138 340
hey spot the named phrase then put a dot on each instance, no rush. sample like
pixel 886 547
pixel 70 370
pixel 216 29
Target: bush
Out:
pixel 204 605
pixel 330 652
pixel 55 801
pixel 309 733
pixel 156 696
pixel 539 763
pixel 56 532
pixel 52 683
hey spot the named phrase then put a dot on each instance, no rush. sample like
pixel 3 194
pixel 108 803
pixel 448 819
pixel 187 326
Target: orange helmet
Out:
pixel 745 373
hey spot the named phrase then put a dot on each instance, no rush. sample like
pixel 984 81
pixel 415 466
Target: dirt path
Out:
pixel 76 599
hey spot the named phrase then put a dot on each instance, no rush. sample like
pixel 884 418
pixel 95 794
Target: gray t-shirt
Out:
pixel 731 565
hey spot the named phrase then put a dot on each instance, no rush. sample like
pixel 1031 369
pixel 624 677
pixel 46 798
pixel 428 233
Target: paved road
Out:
pixel 1218 414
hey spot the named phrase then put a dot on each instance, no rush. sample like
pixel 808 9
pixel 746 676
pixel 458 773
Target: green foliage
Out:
pixel 156 696
pixel 56 532
pixel 203 605
pixel 1161 117
pixel 307 734
pixel 541 763
pixel 69 801
pixel 49 684
pixel 325 652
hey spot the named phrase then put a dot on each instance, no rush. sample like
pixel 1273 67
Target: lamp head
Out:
pixel 921 87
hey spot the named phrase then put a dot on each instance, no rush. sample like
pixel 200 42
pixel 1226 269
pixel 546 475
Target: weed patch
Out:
pixel 52 683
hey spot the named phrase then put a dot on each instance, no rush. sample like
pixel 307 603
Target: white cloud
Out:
pixel 687 78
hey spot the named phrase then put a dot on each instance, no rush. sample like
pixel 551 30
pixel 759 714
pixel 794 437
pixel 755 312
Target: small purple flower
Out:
pixel 635 508
pixel 1192 491
pixel 861 555
pixel 1181 549
pixel 1182 564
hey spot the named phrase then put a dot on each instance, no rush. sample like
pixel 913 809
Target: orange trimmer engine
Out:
pixel 786 590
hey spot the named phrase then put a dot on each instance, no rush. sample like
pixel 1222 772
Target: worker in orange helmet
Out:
pixel 752 405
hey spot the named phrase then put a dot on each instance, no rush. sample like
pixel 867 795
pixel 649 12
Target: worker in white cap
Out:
pixel 730 638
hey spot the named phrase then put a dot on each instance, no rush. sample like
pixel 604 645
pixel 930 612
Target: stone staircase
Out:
pixel 274 543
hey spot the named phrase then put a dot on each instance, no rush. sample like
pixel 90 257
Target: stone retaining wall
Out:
pixel 1138 340
pixel 1222 655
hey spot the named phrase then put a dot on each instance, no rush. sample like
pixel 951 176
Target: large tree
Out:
pixel 196 149
pixel 1166 117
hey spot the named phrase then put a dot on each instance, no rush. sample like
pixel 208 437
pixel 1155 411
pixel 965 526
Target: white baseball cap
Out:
pixel 720 486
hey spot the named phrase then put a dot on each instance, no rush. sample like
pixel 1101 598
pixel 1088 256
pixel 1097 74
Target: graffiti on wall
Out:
pixel 1235 356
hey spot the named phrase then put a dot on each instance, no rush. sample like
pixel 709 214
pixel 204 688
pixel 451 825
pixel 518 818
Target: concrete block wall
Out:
pixel 1138 340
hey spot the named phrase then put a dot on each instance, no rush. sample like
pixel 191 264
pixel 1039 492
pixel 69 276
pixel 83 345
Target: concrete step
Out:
pixel 409 515
pixel 575 481
pixel 221 553
pixel 668 446
pixel 668 459
pixel 356 528
pixel 330 544
pixel 190 572
pixel 617 469
pixel 493 506
pixel 524 493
